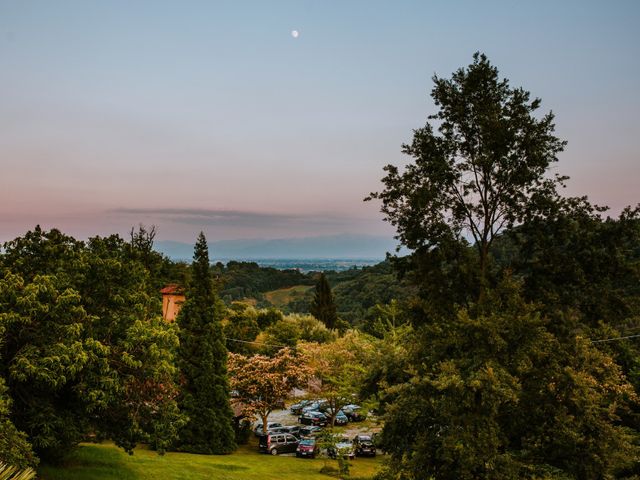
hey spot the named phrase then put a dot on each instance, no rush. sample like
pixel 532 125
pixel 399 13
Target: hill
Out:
pixel 371 247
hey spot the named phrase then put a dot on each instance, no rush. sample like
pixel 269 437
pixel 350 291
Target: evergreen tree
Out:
pixel 323 306
pixel 203 364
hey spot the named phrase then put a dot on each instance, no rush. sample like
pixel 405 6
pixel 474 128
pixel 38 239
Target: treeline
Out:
pixel 240 280
pixel 357 291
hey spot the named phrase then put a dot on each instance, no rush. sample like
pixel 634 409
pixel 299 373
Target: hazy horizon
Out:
pixel 212 116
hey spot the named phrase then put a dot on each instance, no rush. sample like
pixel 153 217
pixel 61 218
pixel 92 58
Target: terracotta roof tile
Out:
pixel 172 289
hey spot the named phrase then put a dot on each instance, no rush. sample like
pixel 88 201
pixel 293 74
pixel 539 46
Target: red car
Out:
pixel 308 447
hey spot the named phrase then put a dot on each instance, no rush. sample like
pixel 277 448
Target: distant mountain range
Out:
pixel 370 247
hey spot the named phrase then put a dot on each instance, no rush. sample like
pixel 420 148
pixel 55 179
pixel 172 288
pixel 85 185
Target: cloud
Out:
pixel 238 218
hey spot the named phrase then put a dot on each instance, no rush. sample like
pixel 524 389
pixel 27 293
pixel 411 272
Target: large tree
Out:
pixel 479 166
pixel 505 380
pixel 202 360
pixel 83 351
pixel 263 383
pixel 323 306
pixel 340 367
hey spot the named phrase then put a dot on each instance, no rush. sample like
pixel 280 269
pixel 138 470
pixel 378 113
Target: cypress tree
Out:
pixel 203 364
pixel 323 306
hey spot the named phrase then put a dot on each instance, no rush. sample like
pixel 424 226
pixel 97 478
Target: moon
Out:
pixel 295 33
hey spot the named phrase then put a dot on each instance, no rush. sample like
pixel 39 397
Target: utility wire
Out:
pixel 258 343
pixel 614 339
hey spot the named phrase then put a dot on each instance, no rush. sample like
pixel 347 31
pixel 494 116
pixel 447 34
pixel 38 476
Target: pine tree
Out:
pixel 323 306
pixel 203 364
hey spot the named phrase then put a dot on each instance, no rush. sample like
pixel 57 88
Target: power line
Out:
pixel 258 343
pixel 615 339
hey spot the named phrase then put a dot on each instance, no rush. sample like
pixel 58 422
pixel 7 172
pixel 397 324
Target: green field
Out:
pixel 107 462
pixel 284 296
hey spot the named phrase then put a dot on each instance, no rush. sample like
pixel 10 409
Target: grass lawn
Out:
pixel 107 462
pixel 284 296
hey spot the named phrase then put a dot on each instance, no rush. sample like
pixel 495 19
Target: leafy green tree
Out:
pixel 502 397
pixel 203 363
pixel 83 350
pixel 268 317
pixel 15 449
pixel 391 362
pixel 311 329
pixel 480 167
pixel 341 368
pixel 323 306
pixel 282 334
pixel 44 356
pixel 573 258
pixel 241 328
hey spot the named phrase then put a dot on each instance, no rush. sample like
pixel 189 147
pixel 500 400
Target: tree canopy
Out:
pixel 479 166
pixel 83 348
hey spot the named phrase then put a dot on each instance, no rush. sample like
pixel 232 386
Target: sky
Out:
pixel 212 116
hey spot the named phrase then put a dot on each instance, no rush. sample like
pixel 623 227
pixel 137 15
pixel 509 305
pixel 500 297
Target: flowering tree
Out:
pixel 263 383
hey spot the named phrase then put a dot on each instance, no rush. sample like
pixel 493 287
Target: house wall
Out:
pixel 171 306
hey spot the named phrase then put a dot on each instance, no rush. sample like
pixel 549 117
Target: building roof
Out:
pixel 172 289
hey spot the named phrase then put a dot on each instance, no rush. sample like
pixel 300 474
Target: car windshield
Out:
pixel 308 442
pixel 364 438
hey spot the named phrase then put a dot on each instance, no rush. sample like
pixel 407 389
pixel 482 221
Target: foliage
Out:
pixel 80 333
pixel 268 317
pixel 311 329
pixel 202 358
pixel 282 334
pixel 341 367
pixel 379 284
pixel 249 280
pixel 323 306
pixel 240 326
pixel 482 170
pixel 293 328
pixel 263 383
pixel 496 395
pixel 390 363
pixel 574 259
pixel 15 449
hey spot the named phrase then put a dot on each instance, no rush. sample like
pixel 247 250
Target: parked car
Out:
pixel 271 425
pixel 296 408
pixel 363 445
pixel 311 407
pixel 341 418
pixel 342 448
pixel 313 418
pixel 278 430
pixel 292 429
pixel 354 413
pixel 308 447
pixel 278 443
pixel 309 431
